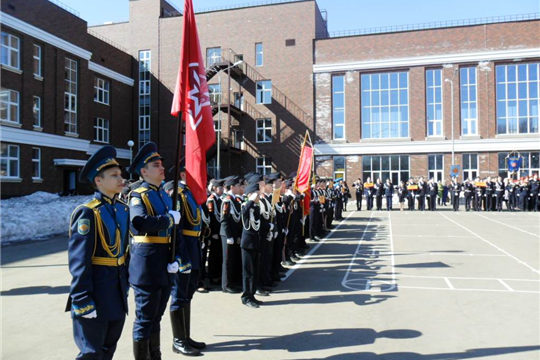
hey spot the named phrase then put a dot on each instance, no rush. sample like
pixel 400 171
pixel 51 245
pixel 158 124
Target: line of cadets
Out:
pixel 123 239
pixel 478 195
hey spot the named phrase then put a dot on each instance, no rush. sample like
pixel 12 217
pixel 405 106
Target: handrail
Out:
pixel 104 39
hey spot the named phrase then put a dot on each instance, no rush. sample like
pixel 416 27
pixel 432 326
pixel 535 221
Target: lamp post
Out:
pixel 218 161
pixel 130 143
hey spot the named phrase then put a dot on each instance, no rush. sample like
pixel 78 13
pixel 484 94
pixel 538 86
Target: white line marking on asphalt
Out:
pixel 510 226
pixel 392 261
pixel 481 290
pixel 449 283
pixel 322 241
pixel 495 246
pixel 462 278
pixel 505 285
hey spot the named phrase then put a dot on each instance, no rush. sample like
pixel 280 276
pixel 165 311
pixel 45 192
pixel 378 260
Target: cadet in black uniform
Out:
pixel 534 184
pixel 421 194
pixel 230 232
pixel 369 192
pixel 490 193
pixel 455 189
pixel 379 190
pixel 402 194
pixel 359 186
pixel 266 241
pixel 511 190
pixel 150 271
pixel 215 256
pixel 388 193
pixel 411 194
pixel 97 250
pixel 433 189
pixel 499 193
pixel 478 195
pixel 468 193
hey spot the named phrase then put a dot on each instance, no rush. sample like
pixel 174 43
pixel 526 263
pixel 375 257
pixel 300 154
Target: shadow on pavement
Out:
pixel 313 340
pixel 33 249
pixel 36 290
pixel 358 299
pixel 468 354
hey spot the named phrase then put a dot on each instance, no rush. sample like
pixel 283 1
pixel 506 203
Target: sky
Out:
pixel 342 14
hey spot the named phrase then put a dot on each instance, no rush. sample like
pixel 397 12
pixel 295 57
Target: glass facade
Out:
pixel 395 167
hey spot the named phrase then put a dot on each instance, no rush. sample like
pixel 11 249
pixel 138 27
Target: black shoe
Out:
pixel 196 344
pixel 179 322
pixel 261 292
pixel 251 304
pixel 183 347
pixel 276 279
pixel 141 349
pixel 228 290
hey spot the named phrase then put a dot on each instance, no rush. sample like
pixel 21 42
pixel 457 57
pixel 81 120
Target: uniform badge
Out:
pixel 135 201
pixel 83 226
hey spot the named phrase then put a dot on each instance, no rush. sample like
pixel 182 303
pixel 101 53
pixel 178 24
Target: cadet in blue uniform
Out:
pixel 97 250
pixel 185 284
pixel 150 270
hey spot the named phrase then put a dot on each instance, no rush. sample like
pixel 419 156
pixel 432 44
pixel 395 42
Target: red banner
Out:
pixel 303 177
pixel 191 97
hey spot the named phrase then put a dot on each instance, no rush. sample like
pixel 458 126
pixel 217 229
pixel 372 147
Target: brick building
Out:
pixel 375 104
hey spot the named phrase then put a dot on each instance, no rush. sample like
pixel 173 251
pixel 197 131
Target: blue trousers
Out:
pixel 183 289
pixel 150 303
pixel 96 339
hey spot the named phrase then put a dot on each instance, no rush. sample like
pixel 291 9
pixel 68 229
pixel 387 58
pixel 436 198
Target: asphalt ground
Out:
pixel 382 285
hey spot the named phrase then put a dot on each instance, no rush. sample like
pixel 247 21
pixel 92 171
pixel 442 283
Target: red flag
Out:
pixel 303 175
pixel 192 98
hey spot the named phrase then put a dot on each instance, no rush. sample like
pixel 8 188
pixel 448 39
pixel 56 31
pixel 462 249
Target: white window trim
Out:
pixel 344 171
pixel 39 163
pixel 9 104
pixel 469 102
pixel 261 169
pixel 8 159
pixel 344 116
pixel 145 57
pixel 469 170
pixel 213 59
pixel 257 53
pixel 10 49
pixel 390 171
pixel 102 127
pixel 433 88
pixel 264 128
pixel 436 171
pixel 71 96
pixel 263 90
pixel 38 58
pixel 38 125
pixel 100 88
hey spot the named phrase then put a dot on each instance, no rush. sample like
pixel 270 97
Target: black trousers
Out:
pixel 499 200
pixel 489 202
pixel 267 251
pixel 183 289
pixel 369 202
pixel 249 266
pixel 215 258
pixel 150 304
pixel 433 202
pixel 277 254
pixel 378 200
pixel 339 209
pixel 421 202
pixel 455 201
pixel 97 339
pixel 468 198
pixel 388 202
pixel 410 202
pixel 230 273
pixel 358 201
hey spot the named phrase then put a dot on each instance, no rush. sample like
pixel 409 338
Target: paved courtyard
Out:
pixel 398 286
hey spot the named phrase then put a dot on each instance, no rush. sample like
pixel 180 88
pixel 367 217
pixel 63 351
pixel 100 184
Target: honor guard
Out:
pixel 433 190
pixel 359 186
pixel 534 184
pixel 388 193
pixel 479 194
pixel 455 190
pixel 411 194
pixel 281 224
pixel 421 194
pixel 499 193
pixel 97 250
pixel 230 233
pixel 186 283
pixel 215 256
pixel 267 206
pixel 150 269
pixel 402 194
pixel 468 193
pixel 490 193
pixel 379 191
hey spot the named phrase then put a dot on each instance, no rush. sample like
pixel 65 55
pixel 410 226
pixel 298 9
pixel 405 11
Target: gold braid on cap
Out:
pixel 108 163
pixel 151 156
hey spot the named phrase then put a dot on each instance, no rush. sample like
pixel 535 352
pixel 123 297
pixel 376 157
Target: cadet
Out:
pixel 468 190
pixel 359 192
pixel 421 194
pixel 266 232
pixel 490 193
pixel 455 189
pixel 535 192
pixel 369 192
pixel 185 283
pixel 97 260
pixel 499 193
pixel 378 187
pixel 215 257
pixel 411 195
pixel 230 232
pixel 511 190
pixel 150 271
pixel 388 193
pixel 433 192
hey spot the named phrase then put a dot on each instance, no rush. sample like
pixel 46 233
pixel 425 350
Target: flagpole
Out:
pixel 179 144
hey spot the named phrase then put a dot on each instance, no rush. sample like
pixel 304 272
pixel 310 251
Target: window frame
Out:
pixel 336 110
pixel 101 130
pixel 341 171
pixel 38 161
pixel 264 129
pixel 38 60
pixel 38 107
pixel 101 87
pixel 70 98
pixel 262 90
pixel 262 168
pixel 375 173
pixel 211 57
pixel 436 173
pixel 257 53
pixel 8 159
pixel 438 124
pixel 9 104
pixel 144 122
pixel 470 170
pixel 8 48
pixel 465 89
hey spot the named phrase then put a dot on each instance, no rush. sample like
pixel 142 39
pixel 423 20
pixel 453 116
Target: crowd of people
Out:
pixel 487 194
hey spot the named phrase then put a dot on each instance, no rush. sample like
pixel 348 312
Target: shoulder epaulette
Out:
pixel 140 190
pixel 92 203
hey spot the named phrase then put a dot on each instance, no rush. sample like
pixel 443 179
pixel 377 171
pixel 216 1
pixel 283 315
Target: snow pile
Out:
pixel 37 216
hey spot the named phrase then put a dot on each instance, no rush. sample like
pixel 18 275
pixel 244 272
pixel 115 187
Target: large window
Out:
pixel 101 130
pixel 37 111
pixel 10 50
pixel 36 163
pixel 37 60
pixel 470 166
pixel 101 91
pixel 395 167
pixel 529 166
pixel 264 92
pixel 144 96
pixel 385 105
pixel 517 98
pixel 264 130
pixel 70 97
pixel 434 102
pixel 339 167
pixel 469 105
pixel 9 105
pixel 9 161
pixel 239 139
pixel 435 166
pixel 213 56
pixel 215 93
pixel 338 107
pixel 264 165
pixel 258 54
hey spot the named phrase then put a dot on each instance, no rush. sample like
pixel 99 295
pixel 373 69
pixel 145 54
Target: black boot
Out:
pixel 195 344
pixel 180 340
pixel 155 348
pixel 140 350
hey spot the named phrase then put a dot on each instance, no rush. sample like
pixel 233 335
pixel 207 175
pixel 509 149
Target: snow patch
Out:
pixel 37 216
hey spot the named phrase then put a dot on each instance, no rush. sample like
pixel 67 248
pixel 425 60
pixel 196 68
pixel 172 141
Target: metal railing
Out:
pixel 245 5
pixel 431 25
pixel 65 7
pixel 104 39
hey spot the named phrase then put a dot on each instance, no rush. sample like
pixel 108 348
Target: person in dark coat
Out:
pixel 388 193
pixel 359 186
pixel 402 194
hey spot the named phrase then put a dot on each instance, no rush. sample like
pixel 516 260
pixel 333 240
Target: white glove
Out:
pixel 230 241
pixel 172 268
pixel 91 315
pixel 215 236
pixel 269 237
pixel 271 226
pixel 176 216
pixel 253 196
pixel 286 231
pixel 275 234
pixel 203 245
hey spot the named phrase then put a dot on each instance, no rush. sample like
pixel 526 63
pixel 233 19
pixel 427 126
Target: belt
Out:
pixel 106 261
pixel 191 233
pixel 152 239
